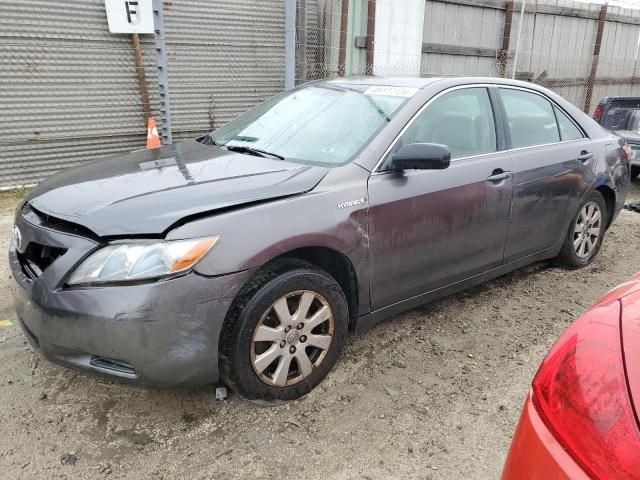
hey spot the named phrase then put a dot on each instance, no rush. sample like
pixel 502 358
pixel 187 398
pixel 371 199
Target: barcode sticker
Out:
pixel 389 91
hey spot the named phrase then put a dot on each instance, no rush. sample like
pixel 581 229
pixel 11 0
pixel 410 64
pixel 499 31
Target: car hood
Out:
pixel 146 192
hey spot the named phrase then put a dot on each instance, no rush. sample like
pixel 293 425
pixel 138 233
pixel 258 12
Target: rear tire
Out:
pixel 584 238
pixel 284 333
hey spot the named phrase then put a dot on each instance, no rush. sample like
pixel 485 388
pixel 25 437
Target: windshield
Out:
pixel 320 124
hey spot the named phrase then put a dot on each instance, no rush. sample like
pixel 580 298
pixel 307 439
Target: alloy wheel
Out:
pixel 292 338
pixel 586 231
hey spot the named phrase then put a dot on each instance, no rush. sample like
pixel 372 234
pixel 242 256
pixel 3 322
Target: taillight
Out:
pixel 626 152
pixel 598 113
pixel 580 391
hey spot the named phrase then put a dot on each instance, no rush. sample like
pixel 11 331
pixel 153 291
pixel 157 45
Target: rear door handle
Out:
pixel 498 176
pixel 585 156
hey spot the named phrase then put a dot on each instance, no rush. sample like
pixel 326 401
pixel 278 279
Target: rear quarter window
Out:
pixel 568 129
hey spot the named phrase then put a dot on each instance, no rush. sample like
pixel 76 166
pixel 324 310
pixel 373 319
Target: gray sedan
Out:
pixel 247 256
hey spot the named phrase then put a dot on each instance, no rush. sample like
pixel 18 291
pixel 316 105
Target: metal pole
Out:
pixel 344 25
pixel 290 45
pixel 163 77
pixel 591 80
pixel 301 37
pixel 515 56
pixel 371 35
pixel 506 38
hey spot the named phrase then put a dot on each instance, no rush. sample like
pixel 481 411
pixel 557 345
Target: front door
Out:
pixel 430 228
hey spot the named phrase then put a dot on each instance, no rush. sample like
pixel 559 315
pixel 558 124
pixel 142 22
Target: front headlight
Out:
pixel 141 260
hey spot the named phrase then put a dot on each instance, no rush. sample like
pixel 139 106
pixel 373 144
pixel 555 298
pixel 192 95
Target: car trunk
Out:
pixel 630 321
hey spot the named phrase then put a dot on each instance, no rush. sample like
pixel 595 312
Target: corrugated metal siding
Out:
pixel 224 57
pixel 68 88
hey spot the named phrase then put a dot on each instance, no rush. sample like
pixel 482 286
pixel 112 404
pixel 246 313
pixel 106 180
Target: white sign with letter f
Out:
pixel 129 16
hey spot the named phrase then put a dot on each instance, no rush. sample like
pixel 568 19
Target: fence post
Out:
pixel 344 25
pixel 596 56
pixel 290 45
pixel 371 35
pixel 506 39
pixel 301 35
pixel 515 56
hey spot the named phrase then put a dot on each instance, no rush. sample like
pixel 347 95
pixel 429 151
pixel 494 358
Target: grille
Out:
pixel 117 366
pixel 37 258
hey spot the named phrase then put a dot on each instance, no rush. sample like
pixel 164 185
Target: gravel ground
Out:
pixel 434 393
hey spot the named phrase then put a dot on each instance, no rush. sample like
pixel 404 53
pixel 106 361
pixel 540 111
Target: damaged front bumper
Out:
pixel 163 333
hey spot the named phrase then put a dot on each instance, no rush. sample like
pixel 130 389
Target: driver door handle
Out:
pixel 585 156
pixel 498 175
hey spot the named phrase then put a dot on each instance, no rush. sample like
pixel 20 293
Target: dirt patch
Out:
pixel 433 393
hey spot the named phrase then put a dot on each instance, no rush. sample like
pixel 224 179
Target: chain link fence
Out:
pixel 583 51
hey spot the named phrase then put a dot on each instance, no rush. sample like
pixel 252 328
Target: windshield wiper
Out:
pixel 253 151
pixel 208 140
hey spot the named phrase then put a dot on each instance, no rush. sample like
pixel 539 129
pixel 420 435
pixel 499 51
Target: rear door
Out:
pixel 430 228
pixel 553 165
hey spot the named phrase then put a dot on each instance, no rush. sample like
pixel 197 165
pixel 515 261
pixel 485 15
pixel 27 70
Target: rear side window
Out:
pixel 462 120
pixel 568 130
pixel 530 117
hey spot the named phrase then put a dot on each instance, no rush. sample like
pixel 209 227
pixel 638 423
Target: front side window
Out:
pixel 324 124
pixel 568 130
pixel 462 120
pixel 530 117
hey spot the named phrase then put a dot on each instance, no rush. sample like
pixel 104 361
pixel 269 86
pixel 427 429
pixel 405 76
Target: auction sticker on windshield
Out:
pixel 389 91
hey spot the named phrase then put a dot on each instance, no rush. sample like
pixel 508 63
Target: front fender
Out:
pixel 333 215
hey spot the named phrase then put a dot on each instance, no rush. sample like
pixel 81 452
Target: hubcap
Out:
pixel 287 347
pixel 586 232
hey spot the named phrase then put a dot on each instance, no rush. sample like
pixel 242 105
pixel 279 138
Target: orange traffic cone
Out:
pixel 153 140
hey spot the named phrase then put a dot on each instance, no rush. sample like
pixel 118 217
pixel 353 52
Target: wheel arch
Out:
pixel 335 264
pixel 609 196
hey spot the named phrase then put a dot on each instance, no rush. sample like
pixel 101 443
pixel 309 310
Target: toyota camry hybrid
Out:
pixel 248 255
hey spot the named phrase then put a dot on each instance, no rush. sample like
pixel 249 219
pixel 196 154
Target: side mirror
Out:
pixel 421 156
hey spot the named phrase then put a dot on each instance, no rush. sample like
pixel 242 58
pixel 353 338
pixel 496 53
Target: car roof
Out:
pixel 411 82
pixel 422 82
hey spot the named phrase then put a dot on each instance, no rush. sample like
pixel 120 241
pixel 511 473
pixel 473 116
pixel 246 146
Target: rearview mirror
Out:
pixel 421 156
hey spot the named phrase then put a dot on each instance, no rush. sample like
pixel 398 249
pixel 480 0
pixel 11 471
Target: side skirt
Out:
pixel 366 322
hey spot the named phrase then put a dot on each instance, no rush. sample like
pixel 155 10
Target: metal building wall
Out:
pixel 68 91
pixel 556 45
pixel 224 57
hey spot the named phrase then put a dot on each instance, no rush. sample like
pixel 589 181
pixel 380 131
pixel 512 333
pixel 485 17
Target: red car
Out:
pixel 580 419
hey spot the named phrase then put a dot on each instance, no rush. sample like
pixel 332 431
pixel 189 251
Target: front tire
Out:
pixel 586 232
pixel 284 333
